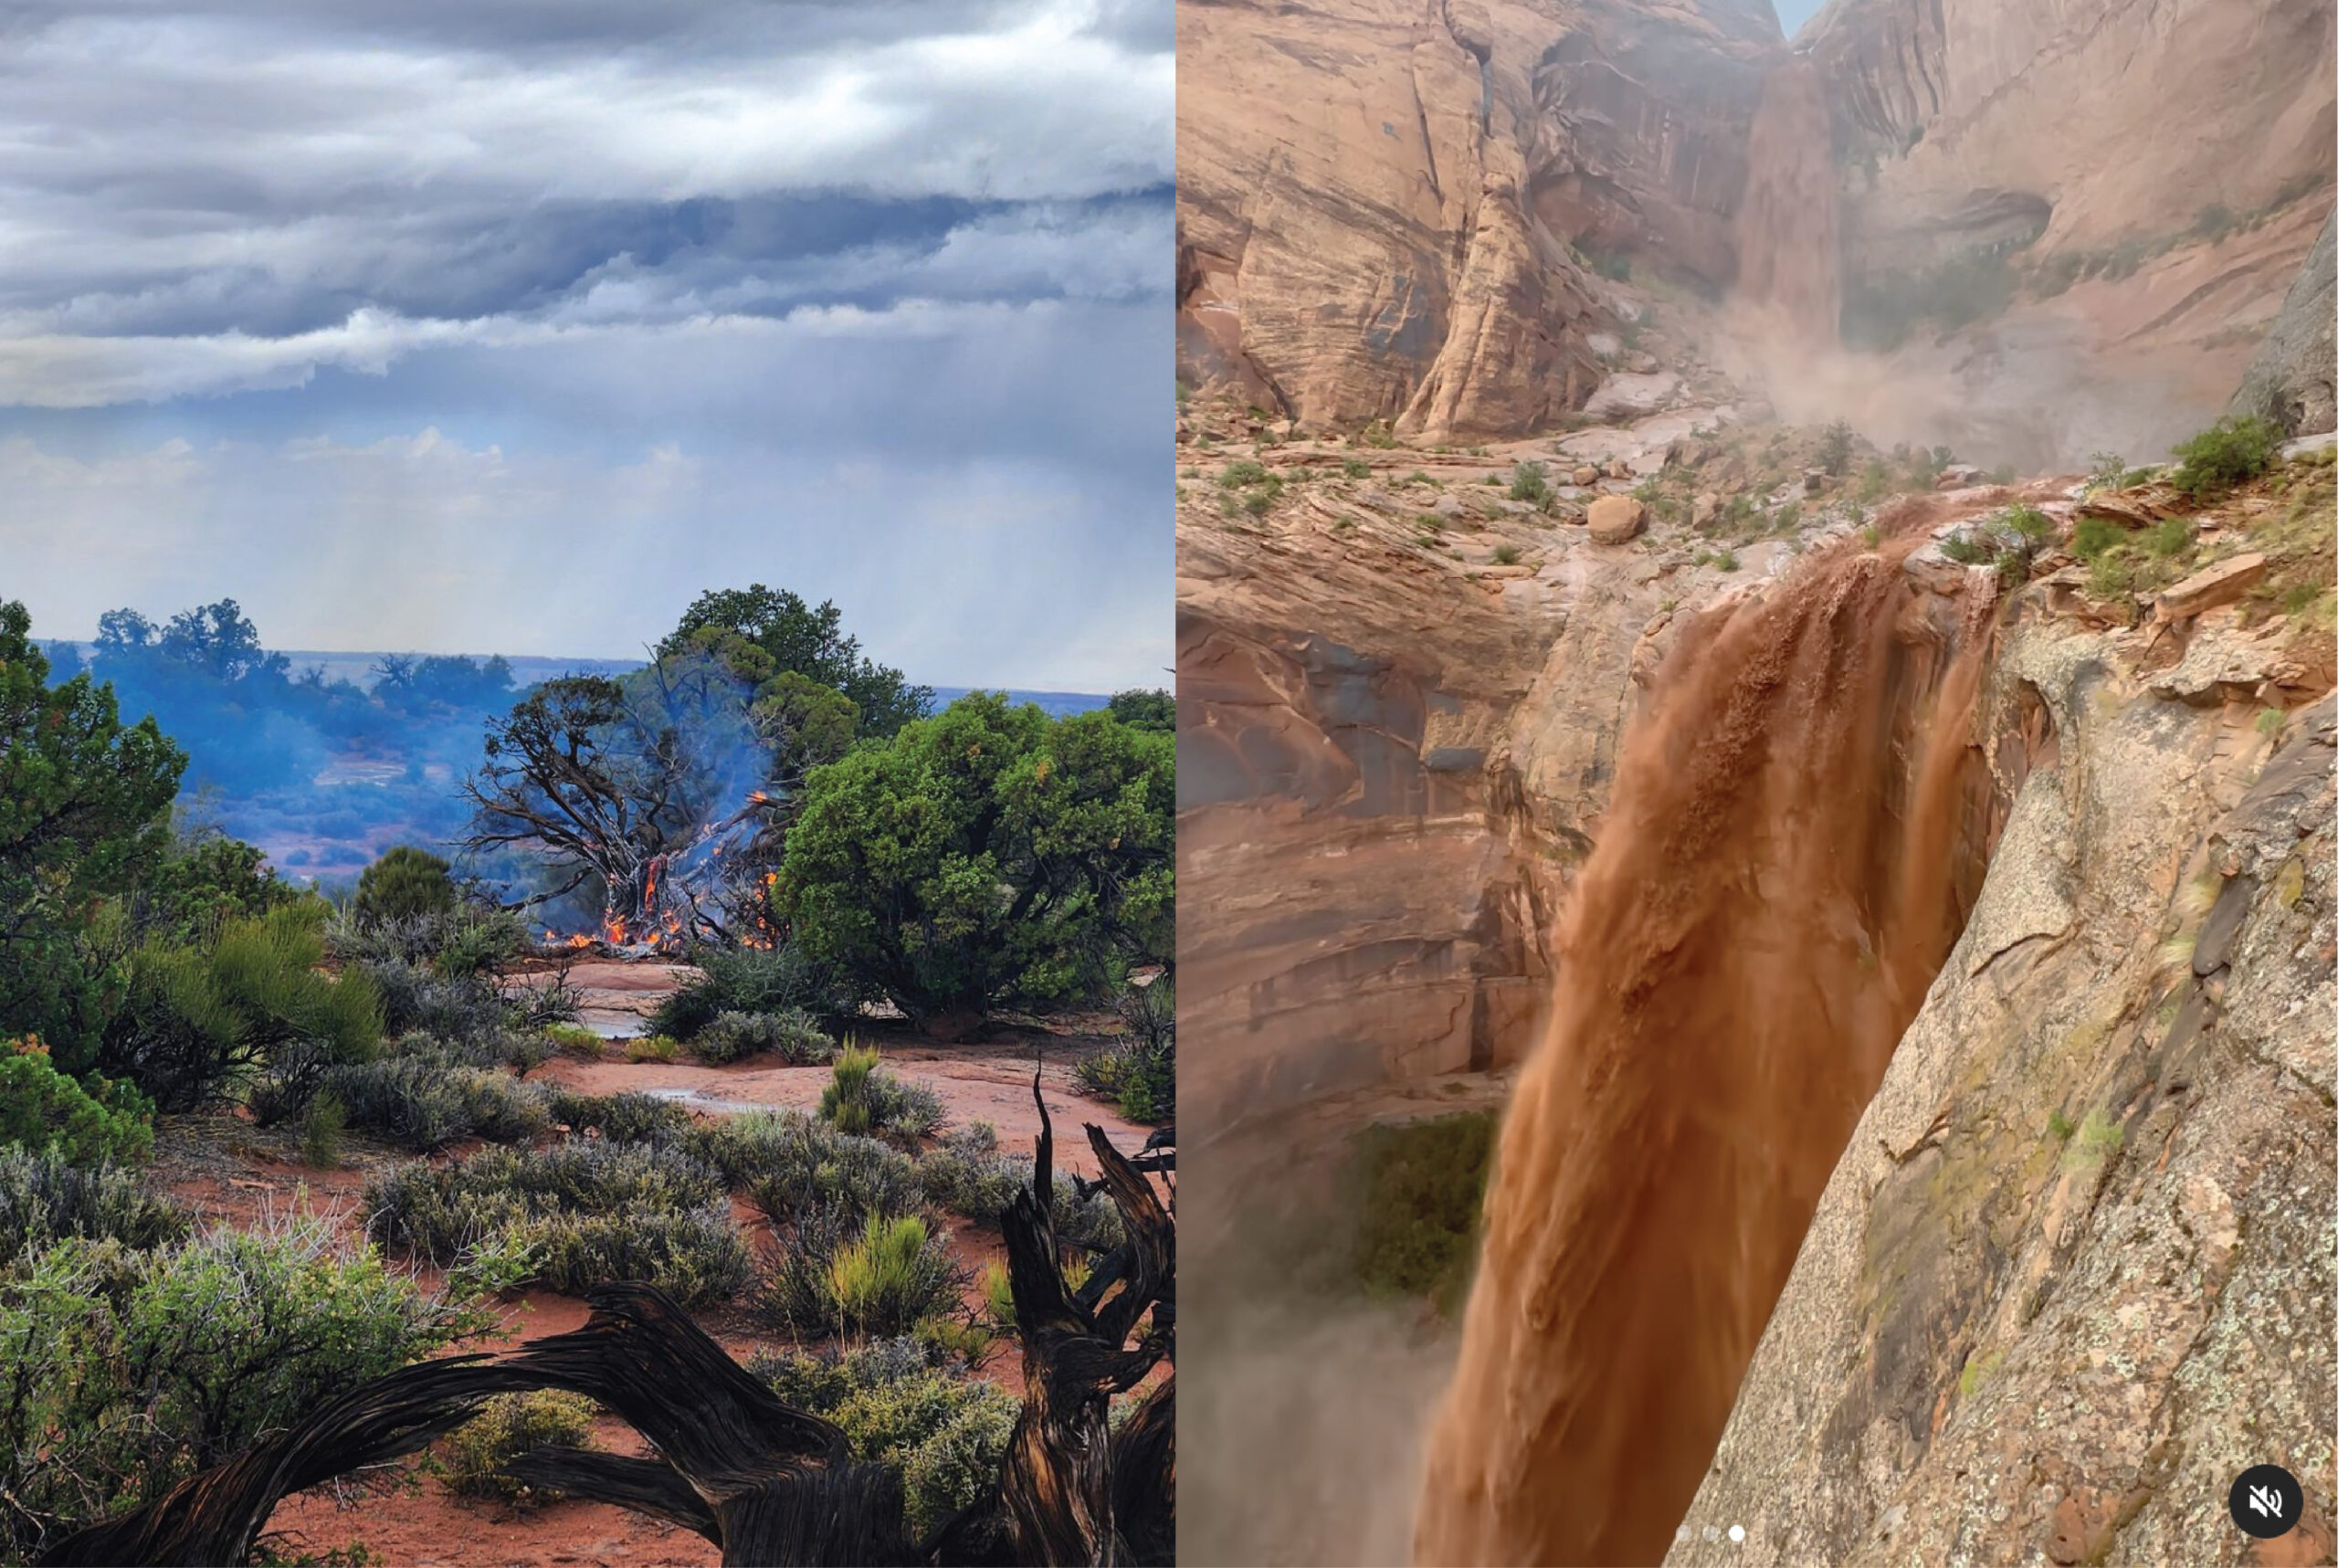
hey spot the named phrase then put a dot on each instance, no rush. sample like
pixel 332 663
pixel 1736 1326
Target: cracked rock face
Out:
pixel 2074 1271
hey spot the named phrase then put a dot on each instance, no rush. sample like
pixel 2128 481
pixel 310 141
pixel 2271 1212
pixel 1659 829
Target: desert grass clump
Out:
pixel 1530 481
pixel 574 1037
pixel 320 1131
pixel 651 1049
pixel 873 1276
pixel 476 1456
pixel 862 1096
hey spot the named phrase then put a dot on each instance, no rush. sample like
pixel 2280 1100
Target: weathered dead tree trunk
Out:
pixel 1057 1489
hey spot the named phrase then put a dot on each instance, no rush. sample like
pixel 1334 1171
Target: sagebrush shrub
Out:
pixel 476 1453
pixel 46 1196
pixel 588 1212
pixel 630 1117
pixel 422 1105
pixel 129 1370
pixel 968 1174
pixel 751 980
pixel 789 1162
pixel 793 1034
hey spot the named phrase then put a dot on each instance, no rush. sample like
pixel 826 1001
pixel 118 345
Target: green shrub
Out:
pixel 2031 523
pixel 789 1162
pixel 2111 576
pixel 477 1453
pixel 1423 1184
pixel 128 1369
pixel 780 979
pixel 1966 548
pixel 589 1213
pixel 945 1436
pixel 420 1104
pixel 875 1276
pixel 404 883
pixel 862 1096
pixel 1835 448
pixel 793 1036
pixel 1243 472
pixel 1140 1080
pixel 46 1196
pixel 40 1108
pixel 1529 482
pixel 204 881
pixel 651 1049
pixel 2095 535
pixel 2169 537
pixel 84 810
pixel 1505 554
pixel 251 1003
pixel 989 855
pixel 2232 451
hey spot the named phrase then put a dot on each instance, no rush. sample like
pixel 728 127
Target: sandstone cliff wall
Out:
pixel 1376 198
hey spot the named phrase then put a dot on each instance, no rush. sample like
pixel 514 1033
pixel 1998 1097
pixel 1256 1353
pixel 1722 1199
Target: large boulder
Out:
pixel 1615 519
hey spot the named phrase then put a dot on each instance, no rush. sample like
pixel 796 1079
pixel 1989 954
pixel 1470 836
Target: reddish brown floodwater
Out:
pixel 1790 855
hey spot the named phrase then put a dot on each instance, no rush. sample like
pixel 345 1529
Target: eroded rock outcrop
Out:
pixel 2073 1271
pixel 1376 200
pixel 2292 382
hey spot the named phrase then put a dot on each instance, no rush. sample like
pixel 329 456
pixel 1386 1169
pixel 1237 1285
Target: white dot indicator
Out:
pixel 1737 1533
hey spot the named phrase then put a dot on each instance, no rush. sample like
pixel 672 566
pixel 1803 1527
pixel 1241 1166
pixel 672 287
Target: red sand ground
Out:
pixel 224 1170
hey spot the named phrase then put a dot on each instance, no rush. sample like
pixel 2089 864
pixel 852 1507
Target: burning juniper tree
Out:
pixel 632 788
pixel 668 793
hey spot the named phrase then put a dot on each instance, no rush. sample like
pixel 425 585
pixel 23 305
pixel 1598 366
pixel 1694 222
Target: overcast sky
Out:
pixel 458 326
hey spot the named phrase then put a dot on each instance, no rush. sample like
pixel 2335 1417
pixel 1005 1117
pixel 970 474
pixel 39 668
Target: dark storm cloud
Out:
pixel 274 169
pixel 370 312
